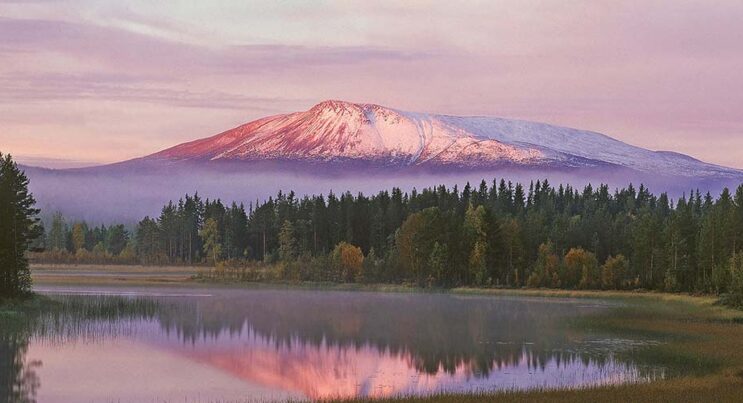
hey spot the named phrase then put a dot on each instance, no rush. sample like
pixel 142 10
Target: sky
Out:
pixel 86 82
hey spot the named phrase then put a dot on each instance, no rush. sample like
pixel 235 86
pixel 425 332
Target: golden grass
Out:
pixel 119 268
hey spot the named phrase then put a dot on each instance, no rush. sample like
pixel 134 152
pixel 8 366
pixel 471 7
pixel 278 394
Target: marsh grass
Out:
pixel 40 315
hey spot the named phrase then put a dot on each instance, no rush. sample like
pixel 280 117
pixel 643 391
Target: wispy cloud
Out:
pixel 120 49
pixel 45 87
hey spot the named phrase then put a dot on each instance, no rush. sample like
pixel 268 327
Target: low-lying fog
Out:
pixel 105 196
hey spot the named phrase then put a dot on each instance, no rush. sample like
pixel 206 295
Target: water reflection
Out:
pixel 278 344
pixel 18 378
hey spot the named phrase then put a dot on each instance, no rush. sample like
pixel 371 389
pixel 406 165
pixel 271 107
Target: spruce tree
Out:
pixel 18 228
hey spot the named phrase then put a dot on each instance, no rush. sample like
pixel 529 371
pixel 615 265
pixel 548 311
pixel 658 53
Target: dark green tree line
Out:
pixel 498 234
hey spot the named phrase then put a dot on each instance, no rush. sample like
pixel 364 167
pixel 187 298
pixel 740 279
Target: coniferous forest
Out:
pixel 501 234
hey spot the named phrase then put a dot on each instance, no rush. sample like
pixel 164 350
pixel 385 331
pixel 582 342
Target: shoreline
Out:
pixel 85 274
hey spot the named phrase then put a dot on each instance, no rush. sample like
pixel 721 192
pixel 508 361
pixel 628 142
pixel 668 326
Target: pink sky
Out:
pixel 101 81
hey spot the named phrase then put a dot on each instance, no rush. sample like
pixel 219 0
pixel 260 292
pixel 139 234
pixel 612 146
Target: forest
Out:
pixel 497 235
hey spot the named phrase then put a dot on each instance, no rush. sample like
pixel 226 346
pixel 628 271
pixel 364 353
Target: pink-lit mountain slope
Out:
pixel 338 132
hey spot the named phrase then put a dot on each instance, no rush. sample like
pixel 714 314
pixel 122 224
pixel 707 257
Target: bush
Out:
pixel 349 260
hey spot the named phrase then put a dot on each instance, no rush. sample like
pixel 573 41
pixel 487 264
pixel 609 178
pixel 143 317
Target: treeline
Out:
pixel 79 243
pixel 497 235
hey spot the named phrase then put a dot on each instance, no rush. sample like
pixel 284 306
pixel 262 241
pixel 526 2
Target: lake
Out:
pixel 203 344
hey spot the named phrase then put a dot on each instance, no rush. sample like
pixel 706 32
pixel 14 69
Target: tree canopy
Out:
pixel 497 234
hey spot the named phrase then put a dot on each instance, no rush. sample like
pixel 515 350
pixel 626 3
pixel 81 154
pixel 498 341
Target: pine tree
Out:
pixel 211 239
pixel 287 242
pixel 18 228
pixel 438 262
pixel 148 241
pixel 57 233
pixel 117 239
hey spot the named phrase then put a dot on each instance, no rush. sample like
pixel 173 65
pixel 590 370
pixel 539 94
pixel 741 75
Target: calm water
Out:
pixel 215 344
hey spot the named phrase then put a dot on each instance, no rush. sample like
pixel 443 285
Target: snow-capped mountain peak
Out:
pixel 336 131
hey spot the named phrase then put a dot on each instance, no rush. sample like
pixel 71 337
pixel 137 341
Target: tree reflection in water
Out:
pixel 433 334
pixel 64 319
pixel 18 379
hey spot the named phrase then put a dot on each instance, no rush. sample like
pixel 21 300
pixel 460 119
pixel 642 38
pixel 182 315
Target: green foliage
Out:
pixel 18 228
pixel 117 239
pixel 545 272
pixel 211 240
pixel 734 295
pixel 287 242
pixel 503 235
pixel 57 233
pixel 147 242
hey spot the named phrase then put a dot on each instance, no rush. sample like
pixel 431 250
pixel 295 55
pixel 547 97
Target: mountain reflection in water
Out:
pixel 309 344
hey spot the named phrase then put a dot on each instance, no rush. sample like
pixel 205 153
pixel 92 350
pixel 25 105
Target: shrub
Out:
pixel 349 260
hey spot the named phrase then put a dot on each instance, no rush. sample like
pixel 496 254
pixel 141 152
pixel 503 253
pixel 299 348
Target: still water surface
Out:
pixel 215 344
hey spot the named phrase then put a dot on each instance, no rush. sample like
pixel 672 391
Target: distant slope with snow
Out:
pixel 338 132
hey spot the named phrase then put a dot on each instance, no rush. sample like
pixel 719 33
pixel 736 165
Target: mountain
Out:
pixel 342 146
pixel 367 135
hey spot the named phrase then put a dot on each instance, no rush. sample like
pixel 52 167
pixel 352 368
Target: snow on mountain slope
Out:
pixel 338 131
pixel 587 144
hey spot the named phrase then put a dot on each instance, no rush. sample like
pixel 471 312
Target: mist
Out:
pixel 104 196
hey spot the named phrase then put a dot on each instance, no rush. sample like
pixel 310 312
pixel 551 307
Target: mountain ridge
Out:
pixel 364 134
pixel 366 148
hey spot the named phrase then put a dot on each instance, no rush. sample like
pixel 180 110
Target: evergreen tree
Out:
pixel 57 239
pixel 438 263
pixel 148 241
pixel 18 228
pixel 287 242
pixel 211 239
pixel 117 239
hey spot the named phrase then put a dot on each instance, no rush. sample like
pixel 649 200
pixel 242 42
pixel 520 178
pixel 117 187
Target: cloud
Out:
pixel 60 60
pixel 45 87
pixel 659 75
pixel 119 49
